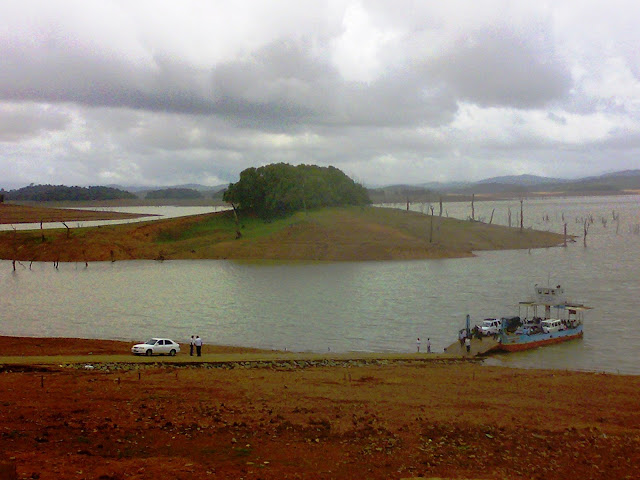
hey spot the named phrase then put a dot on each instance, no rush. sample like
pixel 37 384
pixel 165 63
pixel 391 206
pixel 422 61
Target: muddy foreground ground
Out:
pixel 432 417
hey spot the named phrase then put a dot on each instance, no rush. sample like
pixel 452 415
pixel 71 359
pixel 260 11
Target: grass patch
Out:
pixel 223 226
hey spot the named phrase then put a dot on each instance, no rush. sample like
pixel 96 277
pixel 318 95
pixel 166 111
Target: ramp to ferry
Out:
pixel 478 347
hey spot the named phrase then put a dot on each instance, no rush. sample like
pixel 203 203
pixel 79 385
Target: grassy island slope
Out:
pixel 336 234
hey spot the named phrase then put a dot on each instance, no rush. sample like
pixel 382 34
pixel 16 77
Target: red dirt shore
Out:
pixel 37 346
pixel 388 420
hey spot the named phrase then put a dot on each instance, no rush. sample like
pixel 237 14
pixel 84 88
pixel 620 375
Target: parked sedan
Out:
pixel 157 346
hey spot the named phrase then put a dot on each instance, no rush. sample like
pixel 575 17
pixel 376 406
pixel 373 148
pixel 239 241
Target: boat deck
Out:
pixel 478 347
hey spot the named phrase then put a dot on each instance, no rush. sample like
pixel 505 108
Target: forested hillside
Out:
pixel 173 193
pixel 60 193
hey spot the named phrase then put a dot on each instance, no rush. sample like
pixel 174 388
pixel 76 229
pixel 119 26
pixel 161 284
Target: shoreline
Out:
pixel 326 235
pixel 27 346
pixel 25 350
pixel 402 420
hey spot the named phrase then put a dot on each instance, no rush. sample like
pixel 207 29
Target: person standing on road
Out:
pixel 418 344
pixel 198 344
pixel 193 343
pixel 428 345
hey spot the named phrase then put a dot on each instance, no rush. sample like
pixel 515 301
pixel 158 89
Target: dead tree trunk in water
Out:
pixel 509 215
pixel 491 219
pixel 235 217
pixel 473 210
pixel 586 230
pixel 15 247
pixel 68 230
pixel 565 234
pixel 431 228
pixel 521 214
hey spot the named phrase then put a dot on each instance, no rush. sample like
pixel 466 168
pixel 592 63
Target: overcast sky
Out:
pixel 155 92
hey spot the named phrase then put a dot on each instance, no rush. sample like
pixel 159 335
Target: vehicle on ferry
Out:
pixel 548 318
pixel 491 326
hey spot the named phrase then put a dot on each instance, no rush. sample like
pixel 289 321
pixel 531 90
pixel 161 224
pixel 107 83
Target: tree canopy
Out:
pixel 46 193
pixel 280 189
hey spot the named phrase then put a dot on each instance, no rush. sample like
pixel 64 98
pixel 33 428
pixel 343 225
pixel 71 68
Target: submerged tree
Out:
pixel 280 189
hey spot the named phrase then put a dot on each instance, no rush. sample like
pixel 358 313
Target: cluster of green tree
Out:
pixel 60 193
pixel 174 193
pixel 280 189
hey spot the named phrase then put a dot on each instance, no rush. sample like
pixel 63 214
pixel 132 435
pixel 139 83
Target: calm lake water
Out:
pixel 363 306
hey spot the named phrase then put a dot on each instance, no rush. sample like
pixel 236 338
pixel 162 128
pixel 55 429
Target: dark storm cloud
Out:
pixel 500 68
pixel 280 86
pixel 18 122
pixel 283 84
pixel 54 74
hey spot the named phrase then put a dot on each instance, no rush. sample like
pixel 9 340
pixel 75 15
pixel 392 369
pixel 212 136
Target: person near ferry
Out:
pixel 191 345
pixel 198 344
pixel 467 342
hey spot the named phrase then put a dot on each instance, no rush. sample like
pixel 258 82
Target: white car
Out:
pixel 157 346
pixel 491 326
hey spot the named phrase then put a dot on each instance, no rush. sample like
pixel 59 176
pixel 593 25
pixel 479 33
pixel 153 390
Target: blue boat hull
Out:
pixel 514 343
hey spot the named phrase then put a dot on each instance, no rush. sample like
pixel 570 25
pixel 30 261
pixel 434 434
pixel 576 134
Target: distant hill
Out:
pixel 173 193
pixel 142 189
pixel 522 180
pixel 523 184
pixel 62 193
pixel 612 182
pixel 509 185
pixel 399 194
pixel 627 179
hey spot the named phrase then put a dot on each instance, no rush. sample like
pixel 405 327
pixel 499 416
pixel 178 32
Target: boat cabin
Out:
pixel 550 295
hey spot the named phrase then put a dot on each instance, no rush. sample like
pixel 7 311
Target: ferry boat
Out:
pixel 548 318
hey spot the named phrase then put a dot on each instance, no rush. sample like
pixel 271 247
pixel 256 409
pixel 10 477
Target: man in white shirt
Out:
pixel 198 344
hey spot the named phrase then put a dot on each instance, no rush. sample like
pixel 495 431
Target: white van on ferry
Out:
pixel 551 325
